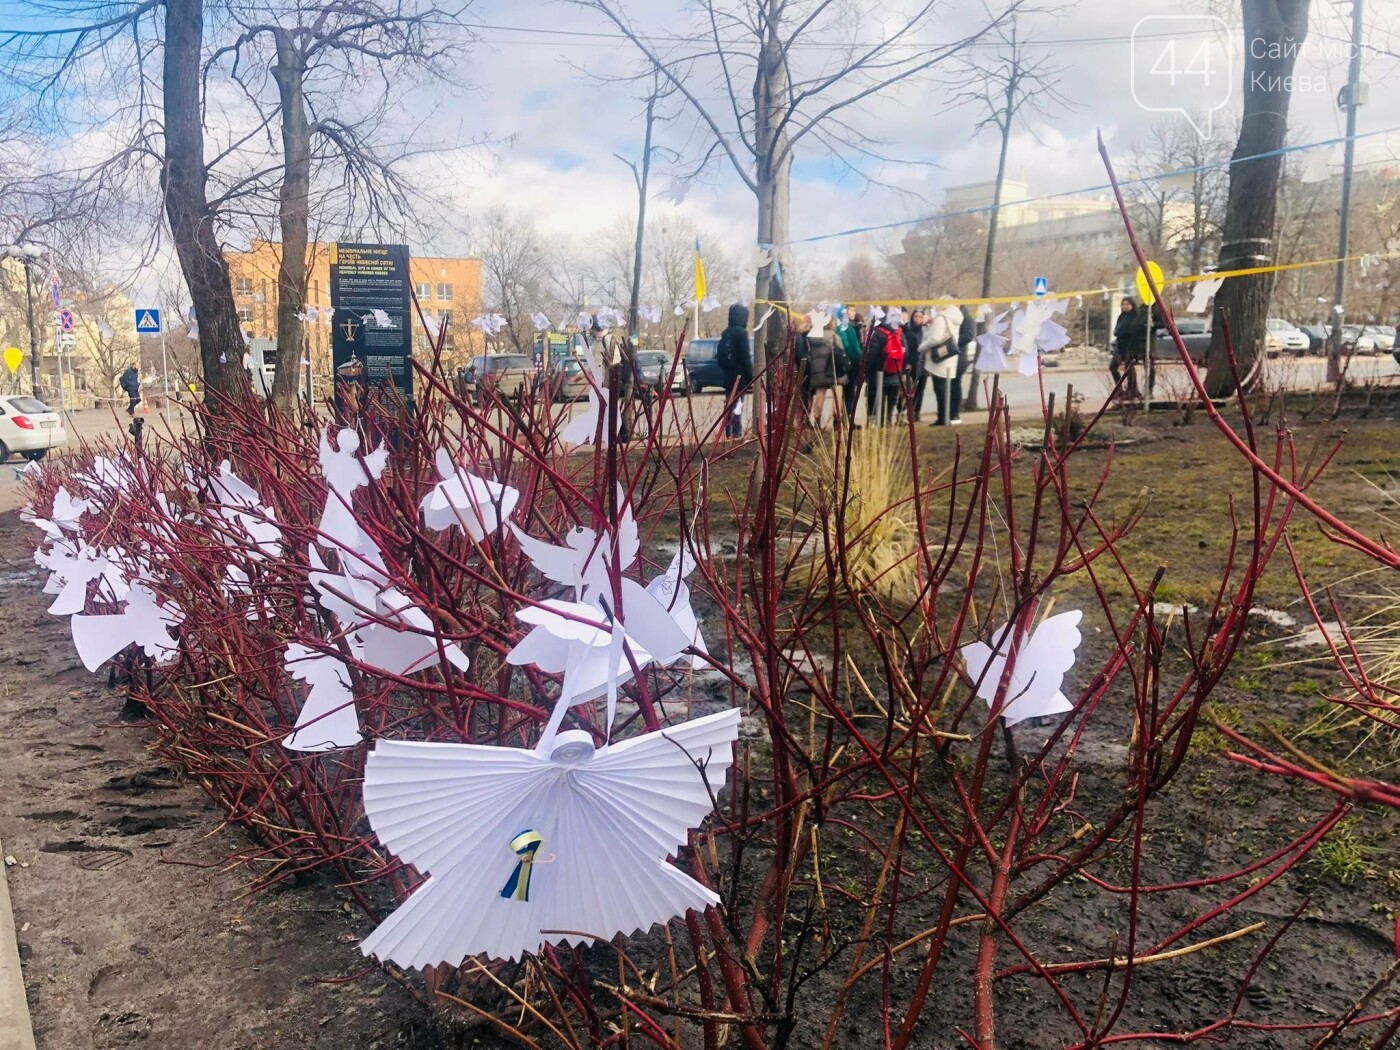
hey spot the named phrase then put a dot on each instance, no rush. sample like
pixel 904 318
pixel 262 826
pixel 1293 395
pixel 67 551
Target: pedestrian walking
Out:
pixel 130 383
pixel 734 355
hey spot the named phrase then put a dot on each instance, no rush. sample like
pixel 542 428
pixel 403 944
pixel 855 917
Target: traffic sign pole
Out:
pixel 165 376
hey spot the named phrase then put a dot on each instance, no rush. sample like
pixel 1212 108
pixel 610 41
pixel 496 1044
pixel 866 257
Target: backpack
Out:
pixel 894 352
pixel 724 354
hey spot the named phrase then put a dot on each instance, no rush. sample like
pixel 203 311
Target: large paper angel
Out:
pixel 1046 654
pixel 328 719
pixel 1034 329
pixel 344 473
pixel 145 621
pixel 72 568
pixel 671 590
pixel 560 844
pixel 472 503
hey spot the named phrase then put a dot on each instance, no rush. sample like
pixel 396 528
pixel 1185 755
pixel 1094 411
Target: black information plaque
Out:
pixel 372 321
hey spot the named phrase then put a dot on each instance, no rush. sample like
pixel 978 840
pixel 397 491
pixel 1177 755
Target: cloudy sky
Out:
pixel 531 87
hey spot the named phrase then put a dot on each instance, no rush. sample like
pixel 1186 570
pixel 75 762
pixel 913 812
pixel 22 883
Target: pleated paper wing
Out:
pixel 606 821
pixel 1039 671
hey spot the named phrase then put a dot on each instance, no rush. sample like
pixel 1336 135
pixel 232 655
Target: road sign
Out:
pixel 67 340
pixel 66 321
pixel 1042 287
pixel 148 322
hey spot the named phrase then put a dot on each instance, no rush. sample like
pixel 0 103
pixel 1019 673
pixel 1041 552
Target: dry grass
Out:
pixel 873 490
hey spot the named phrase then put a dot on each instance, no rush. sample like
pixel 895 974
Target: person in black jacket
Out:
pixel 1129 345
pixel 915 365
pixel 130 383
pixel 734 356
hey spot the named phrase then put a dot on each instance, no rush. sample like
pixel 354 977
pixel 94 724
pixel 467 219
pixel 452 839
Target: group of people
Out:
pixel 892 360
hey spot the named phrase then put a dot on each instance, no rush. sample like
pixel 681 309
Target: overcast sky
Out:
pixel 563 128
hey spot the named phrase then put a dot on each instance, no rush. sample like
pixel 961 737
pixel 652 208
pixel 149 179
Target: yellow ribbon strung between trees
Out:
pixel 525 846
pixel 1007 300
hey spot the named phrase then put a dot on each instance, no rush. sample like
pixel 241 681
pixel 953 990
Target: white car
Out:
pixel 29 427
pixel 1282 336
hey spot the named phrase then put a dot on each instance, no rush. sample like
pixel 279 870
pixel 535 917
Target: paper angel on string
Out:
pixel 328 719
pixel 344 473
pixel 584 320
pixel 710 302
pixel 1046 654
pixel 651 312
pixel 991 346
pixel 584 427
pixel 474 504
pixel 876 314
pixel 1201 294
pixel 541 322
pixel 1033 329
pixel 681 309
pixel 557 844
pixel 146 622
pixel 431 325
pixel 675 191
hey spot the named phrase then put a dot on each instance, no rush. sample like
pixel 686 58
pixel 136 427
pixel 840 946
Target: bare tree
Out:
pixel 777 95
pixel 515 273
pixel 321 61
pixel 1179 215
pixel 1274 31
pixel 1006 89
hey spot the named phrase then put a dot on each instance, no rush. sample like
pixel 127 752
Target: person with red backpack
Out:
pixel 884 360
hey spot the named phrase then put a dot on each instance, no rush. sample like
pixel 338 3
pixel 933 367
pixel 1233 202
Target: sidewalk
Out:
pixel 15 1032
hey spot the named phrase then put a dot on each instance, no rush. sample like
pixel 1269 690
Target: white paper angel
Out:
pixel 72 568
pixel 1045 656
pixel 560 844
pixel 65 516
pixel 584 428
pixel 472 503
pixel 541 322
pixel 671 590
pixel 876 314
pixel 145 621
pixel 681 309
pixel 675 191
pixel 709 303
pixel 991 346
pixel 328 719
pixel 344 473
pixel 1033 330
pixel 651 312
pixel 1201 294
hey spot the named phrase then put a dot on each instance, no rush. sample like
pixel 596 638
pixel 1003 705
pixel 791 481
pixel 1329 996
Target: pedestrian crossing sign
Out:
pixel 148 322
pixel 1042 287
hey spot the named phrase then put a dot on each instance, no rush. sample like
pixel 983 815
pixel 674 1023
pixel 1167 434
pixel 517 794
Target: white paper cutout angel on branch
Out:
pixel 72 569
pixel 146 622
pixel 557 844
pixel 991 346
pixel 344 473
pixel 64 517
pixel 584 428
pixel 328 719
pixel 472 503
pixel 1044 658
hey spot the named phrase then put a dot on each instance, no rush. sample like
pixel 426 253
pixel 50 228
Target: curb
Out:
pixel 15 1031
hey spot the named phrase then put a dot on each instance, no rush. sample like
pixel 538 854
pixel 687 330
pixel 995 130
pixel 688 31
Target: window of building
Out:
pixel 423 290
pixel 444 317
pixel 245 314
pixel 243 285
pixel 445 292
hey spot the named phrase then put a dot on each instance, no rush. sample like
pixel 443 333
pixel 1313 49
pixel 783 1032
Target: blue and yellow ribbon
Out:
pixel 525 846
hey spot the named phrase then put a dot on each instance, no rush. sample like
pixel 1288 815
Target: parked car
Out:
pixel 654 371
pixel 1375 338
pixel 1317 334
pixel 568 381
pixel 1195 334
pixel 505 375
pixel 29 427
pixel 1351 336
pixel 1281 337
pixel 701 367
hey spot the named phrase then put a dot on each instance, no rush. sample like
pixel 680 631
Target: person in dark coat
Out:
pixel 884 368
pixel 130 383
pixel 853 342
pixel 826 370
pixel 915 365
pixel 1129 345
pixel 735 357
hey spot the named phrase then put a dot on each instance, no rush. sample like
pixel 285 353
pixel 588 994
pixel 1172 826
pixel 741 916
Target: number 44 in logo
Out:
pixel 1181 64
pixel 1197 65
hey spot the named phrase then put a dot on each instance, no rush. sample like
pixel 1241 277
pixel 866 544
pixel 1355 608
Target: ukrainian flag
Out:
pixel 702 289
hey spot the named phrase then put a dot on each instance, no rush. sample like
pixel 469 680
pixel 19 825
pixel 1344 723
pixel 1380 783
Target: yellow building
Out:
pixel 448 289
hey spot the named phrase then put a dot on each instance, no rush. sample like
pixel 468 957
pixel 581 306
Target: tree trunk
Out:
pixel 774 176
pixel 183 182
pixel 293 215
pixel 1273 33
pixel 972 390
pixel 635 299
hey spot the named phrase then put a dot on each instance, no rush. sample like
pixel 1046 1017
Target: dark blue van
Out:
pixel 700 362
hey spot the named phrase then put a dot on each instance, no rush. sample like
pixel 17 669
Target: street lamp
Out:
pixel 28 255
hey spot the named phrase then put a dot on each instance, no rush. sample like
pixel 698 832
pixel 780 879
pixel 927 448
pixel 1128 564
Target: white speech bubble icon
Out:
pixel 1182 64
